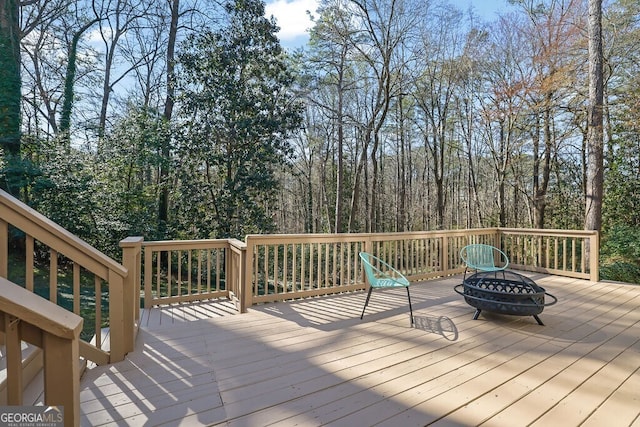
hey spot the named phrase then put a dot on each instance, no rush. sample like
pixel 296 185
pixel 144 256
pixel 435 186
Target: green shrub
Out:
pixel 620 254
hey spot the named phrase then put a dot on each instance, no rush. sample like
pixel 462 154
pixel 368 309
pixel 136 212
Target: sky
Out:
pixel 293 19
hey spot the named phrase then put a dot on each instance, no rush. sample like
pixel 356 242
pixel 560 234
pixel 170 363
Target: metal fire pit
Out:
pixel 505 293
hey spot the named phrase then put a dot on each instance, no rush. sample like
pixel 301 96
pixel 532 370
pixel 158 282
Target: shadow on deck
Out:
pixel 314 362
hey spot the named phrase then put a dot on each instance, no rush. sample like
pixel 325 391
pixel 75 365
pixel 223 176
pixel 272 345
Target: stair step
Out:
pixel 31 365
pixel 34 391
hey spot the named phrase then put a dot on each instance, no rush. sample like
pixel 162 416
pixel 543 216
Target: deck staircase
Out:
pixel 32 374
pixel 32 377
pixel 30 324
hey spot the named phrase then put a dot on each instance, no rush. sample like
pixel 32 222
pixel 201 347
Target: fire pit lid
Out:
pixel 503 282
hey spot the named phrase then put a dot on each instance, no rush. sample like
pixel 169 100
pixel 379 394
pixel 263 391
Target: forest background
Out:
pixel 185 119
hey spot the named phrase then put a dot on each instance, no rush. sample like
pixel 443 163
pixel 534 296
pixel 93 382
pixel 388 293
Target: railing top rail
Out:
pixel 186 244
pixel 35 310
pixel 549 232
pixel 349 237
pixel 56 237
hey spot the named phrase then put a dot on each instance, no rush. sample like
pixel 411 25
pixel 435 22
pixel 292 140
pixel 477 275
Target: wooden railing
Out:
pixel 560 252
pixel 269 268
pixel 281 267
pixel 25 316
pixel 69 256
pixel 185 270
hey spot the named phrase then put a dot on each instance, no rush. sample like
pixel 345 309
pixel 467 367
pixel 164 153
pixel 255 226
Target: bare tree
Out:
pixel 434 93
pixel 116 17
pixel 331 53
pixel 553 35
pixel 385 25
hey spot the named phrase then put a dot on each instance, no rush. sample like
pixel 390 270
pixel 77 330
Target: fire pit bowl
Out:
pixel 504 292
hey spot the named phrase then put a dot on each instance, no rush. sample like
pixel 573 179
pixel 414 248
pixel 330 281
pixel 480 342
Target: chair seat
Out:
pixel 391 283
pixel 486 267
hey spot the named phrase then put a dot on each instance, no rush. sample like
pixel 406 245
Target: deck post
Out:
pixel 131 260
pixel 62 376
pixel 594 257
pixel 444 256
pixel 247 276
pixel 117 306
pixel 236 270
pixel 4 255
pixel 4 248
pixel 14 359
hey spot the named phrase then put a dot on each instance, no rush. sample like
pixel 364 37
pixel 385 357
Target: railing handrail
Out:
pixel 549 232
pixel 380 236
pixel 37 311
pixel 58 238
pixel 29 317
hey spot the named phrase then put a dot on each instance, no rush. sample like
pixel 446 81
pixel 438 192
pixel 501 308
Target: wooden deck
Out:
pixel 314 362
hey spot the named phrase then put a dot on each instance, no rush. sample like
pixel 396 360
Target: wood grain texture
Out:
pixel 314 362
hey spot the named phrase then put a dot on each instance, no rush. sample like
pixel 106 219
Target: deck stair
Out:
pixel 31 368
pixel 32 375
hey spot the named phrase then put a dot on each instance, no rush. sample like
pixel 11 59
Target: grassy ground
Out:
pixel 64 292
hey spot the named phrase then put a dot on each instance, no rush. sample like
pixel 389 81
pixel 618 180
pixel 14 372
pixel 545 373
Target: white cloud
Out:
pixel 291 16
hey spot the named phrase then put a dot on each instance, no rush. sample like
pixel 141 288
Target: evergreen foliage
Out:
pixel 238 112
pixel 10 95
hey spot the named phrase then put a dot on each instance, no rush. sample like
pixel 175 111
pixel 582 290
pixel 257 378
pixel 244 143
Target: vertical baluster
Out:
pixel 76 288
pixel 29 261
pixel 334 259
pixel 218 271
pixel 294 275
pixel 98 303
pixel 169 281
pixel 199 271
pixel 285 268
pixel 209 266
pixel 4 249
pixel 319 266
pixel 303 263
pixel 265 268
pixel 583 255
pixel 53 276
pixel 189 266
pixel 179 274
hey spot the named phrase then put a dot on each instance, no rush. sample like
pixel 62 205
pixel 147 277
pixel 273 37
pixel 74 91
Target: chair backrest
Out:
pixel 376 270
pixel 482 257
pixel 368 268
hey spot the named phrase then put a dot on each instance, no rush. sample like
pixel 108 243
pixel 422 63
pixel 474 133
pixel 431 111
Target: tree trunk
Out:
pixel 10 95
pixel 163 198
pixel 69 81
pixel 595 150
pixel 338 220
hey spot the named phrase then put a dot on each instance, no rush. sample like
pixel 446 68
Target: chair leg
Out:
pixel 410 308
pixel 366 302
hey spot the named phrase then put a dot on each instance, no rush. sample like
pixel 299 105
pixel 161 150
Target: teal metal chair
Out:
pixel 480 257
pixel 382 275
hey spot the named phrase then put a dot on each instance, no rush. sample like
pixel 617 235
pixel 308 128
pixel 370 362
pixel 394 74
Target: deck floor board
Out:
pixel 314 362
